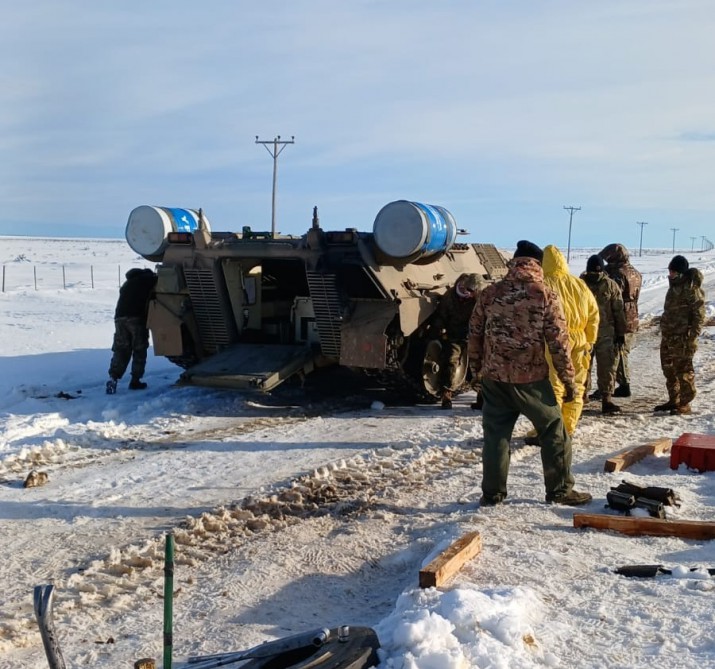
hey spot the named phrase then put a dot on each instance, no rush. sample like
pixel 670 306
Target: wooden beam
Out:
pixel 450 561
pixel 630 457
pixel 655 527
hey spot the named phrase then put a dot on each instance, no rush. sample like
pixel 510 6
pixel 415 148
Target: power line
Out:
pixel 275 152
pixel 640 247
pixel 674 231
pixel 692 243
pixel 571 210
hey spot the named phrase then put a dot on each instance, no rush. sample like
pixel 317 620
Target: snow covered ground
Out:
pixel 291 514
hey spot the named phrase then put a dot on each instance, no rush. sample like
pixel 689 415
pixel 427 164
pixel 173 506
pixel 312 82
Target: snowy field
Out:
pixel 291 515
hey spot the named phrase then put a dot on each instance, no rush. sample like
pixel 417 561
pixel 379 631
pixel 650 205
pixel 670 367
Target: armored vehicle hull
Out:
pixel 250 310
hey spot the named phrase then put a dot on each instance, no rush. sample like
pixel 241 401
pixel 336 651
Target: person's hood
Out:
pixel 136 272
pixel 692 276
pixel 615 254
pixel 696 276
pixel 525 269
pixel 554 262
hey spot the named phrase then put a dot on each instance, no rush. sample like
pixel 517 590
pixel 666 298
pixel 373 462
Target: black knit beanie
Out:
pixel 526 249
pixel 594 264
pixel 679 264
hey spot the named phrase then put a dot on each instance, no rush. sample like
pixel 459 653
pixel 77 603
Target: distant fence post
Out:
pixel 64 278
pixel 34 273
pixel 91 275
pixel 3 278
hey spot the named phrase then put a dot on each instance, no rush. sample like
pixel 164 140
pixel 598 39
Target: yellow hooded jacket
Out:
pixel 581 311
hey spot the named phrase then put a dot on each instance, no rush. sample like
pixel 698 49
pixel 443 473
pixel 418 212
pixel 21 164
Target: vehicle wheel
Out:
pixel 358 651
pixel 432 367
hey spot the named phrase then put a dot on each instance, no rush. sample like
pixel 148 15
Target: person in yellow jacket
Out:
pixel 581 311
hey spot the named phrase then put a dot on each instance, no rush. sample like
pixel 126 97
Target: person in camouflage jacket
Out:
pixel 611 330
pixel 629 280
pixel 451 322
pixel 512 322
pixel 681 323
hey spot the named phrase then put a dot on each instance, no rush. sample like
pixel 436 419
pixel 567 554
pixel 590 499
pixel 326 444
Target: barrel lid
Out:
pixel 400 229
pixel 146 229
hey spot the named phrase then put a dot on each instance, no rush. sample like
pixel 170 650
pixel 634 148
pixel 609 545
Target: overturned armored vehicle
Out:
pixel 250 310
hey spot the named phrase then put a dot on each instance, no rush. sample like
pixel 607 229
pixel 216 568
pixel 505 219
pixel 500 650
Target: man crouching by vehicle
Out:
pixel 511 322
pixel 452 323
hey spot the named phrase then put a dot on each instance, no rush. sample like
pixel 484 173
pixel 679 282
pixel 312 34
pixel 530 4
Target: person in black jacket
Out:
pixel 131 336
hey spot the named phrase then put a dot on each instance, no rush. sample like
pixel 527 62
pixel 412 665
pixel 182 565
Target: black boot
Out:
pixel 136 384
pixel 666 406
pixel 624 390
pixel 608 407
pixel 111 386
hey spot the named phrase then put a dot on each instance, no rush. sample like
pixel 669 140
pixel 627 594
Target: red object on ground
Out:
pixel 697 451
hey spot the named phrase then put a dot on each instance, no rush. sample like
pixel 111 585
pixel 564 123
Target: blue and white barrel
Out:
pixel 148 228
pixel 405 229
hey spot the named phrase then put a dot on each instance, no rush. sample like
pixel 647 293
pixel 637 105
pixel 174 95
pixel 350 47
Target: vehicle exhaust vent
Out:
pixel 328 312
pixel 492 260
pixel 206 304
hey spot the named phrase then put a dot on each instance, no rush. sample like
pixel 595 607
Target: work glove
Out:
pixel 569 393
pixel 619 341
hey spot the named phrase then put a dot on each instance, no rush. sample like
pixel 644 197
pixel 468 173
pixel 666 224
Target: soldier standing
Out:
pixel 629 280
pixel 452 322
pixel 582 317
pixel 512 321
pixel 611 331
pixel 680 325
pixel 131 337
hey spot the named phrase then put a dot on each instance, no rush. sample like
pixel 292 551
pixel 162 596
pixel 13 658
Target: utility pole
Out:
pixel 571 210
pixel 275 152
pixel 702 242
pixel 640 247
pixel 692 243
pixel 674 231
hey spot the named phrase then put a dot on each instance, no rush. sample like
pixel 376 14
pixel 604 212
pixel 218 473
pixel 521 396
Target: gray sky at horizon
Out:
pixel 503 113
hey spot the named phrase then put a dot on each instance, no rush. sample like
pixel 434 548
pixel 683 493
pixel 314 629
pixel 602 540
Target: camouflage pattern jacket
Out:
pixel 453 315
pixel 511 321
pixel 628 278
pixel 684 309
pixel 610 304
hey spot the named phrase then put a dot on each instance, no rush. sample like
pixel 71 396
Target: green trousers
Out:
pixel 503 403
pixel 676 361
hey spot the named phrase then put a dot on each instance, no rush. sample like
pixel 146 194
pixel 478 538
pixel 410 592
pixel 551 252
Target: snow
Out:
pixel 292 513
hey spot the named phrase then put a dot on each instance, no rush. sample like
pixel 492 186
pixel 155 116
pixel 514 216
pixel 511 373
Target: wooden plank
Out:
pixel 655 527
pixel 450 561
pixel 630 457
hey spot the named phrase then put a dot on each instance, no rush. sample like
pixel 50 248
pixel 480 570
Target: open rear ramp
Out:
pixel 259 367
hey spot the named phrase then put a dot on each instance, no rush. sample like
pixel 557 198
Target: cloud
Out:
pixel 697 136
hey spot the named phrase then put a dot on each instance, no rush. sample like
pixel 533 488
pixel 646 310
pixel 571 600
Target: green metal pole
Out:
pixel 168 599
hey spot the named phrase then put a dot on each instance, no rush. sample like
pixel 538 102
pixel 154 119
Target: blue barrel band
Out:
pixel 184 221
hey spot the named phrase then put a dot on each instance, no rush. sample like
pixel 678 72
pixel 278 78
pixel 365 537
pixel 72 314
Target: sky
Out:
pixel 504 113
pixel 291 515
